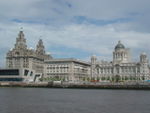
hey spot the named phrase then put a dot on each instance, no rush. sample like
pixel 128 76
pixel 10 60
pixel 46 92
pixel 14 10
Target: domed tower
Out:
pixel 144 66
pixel 93 64
pixel 40 49
pixel 93 60
pixel 121 54
pixel 143 58
pixel 16 57
pixel 20 41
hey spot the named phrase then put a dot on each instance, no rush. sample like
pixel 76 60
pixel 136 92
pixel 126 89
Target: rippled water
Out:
pixel 38 100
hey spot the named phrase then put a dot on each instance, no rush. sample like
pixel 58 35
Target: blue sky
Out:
pixel 76 28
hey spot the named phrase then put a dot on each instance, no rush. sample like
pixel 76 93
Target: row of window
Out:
pixel 63 65
pixel 57 67
pixel 118 70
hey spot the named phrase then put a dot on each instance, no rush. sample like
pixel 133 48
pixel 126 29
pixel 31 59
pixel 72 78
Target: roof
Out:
pixel 119 46
pixel 67 60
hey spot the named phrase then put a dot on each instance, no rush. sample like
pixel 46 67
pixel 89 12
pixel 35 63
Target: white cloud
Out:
pixel 53 20
pixel 93 39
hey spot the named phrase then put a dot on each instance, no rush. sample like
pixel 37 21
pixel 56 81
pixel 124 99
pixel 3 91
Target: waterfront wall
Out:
pixel 78 85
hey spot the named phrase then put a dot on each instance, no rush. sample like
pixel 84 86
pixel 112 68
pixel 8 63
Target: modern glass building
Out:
pixel 18 75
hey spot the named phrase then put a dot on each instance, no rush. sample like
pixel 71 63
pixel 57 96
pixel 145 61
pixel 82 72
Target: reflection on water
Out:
pixel 38 100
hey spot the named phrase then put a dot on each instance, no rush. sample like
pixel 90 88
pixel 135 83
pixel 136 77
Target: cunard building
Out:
pixel 121 68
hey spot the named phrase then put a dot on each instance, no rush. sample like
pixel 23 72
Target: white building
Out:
pixel 67 69
pixel 121 68
pixel 42 64
pixel 23 57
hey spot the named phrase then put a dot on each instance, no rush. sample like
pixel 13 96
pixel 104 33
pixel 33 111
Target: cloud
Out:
pixel 76 28
pixel 63 11
pixel 84 38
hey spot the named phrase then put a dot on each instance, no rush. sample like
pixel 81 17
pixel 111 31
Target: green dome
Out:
pixel 119 46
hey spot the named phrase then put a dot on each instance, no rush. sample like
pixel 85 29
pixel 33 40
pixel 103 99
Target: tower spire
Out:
pixel 40 49
pixel 20 41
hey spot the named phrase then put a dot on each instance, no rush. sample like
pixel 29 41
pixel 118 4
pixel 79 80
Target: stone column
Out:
pixel 71 77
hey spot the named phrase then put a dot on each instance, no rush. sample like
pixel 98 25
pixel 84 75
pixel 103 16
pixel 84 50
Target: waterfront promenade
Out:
pixel 84 85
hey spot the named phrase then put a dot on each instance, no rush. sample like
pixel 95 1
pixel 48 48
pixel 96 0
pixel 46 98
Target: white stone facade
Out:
pixel 67 69
pixel 22 57
pixel 121 68
pixel 37 60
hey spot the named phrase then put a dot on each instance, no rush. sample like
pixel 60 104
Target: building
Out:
pixel 67 69
pixel 18 75
pixel 121 68
pixel 22 57
pixel 42 64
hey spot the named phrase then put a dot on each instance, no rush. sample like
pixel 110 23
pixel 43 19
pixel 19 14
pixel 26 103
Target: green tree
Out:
pixel 117 78
pixel 103 78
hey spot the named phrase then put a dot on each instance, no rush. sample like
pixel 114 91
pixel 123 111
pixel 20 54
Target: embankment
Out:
pixel 136 86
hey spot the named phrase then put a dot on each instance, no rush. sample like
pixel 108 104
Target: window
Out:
pixel 9 72
pixel 26 72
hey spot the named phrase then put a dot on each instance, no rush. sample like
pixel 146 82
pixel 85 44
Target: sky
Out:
pixel 76 28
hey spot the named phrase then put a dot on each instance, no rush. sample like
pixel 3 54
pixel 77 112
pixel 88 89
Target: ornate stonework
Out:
pixel 22 57
pixel 121 54
pixel 121 67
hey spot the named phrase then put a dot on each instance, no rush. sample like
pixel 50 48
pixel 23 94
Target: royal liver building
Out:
pixel 121 68
pixel 40 64
pixel 22 57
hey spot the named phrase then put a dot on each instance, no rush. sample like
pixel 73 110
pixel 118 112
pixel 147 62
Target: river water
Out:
pixel 47 100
